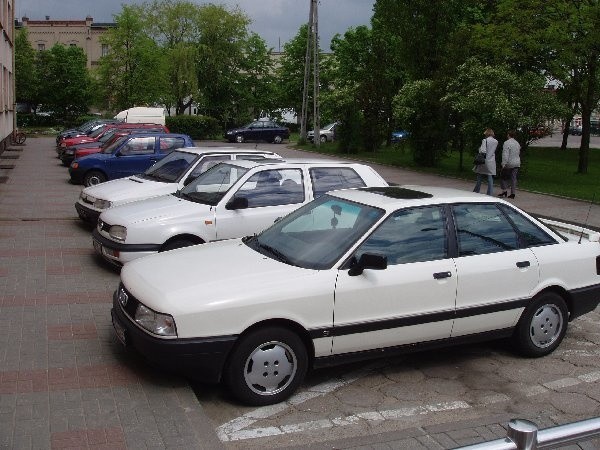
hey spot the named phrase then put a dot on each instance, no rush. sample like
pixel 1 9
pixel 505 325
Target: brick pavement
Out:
pixel 65 383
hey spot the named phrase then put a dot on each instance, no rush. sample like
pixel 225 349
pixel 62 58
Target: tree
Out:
pixel 26 80
pixel 133 72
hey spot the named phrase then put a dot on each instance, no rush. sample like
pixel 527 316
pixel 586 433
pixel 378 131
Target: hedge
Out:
pixel 197 127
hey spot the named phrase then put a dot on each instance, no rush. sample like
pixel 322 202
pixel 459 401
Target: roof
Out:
pixel 295 161
pixel 394 197
pixel 226 150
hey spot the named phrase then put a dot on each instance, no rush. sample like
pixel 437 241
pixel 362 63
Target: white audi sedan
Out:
pixel 357 274
pixel 168 175
pixel 230 200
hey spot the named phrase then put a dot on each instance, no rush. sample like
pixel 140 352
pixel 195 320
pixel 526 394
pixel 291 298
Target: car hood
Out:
pixel 219 278
pixel 129 189
pixel 165 208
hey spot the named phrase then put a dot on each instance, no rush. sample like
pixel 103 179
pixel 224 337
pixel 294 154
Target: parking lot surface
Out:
pixel 66 382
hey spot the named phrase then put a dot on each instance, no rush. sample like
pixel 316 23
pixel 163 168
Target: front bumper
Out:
pixel 87 214
pixel 76 175
pixel 118 253
pixel 202 359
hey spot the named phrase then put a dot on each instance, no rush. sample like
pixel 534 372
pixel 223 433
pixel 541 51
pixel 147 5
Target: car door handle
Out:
pixel 441 275
pixel 522 264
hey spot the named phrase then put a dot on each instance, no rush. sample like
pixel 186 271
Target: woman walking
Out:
pixel 511 161
pixel 488 147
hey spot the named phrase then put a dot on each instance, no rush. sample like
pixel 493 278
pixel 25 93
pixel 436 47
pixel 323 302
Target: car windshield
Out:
pixel 318 234
pixel 171 167
pixel 98 132
pixel 211 186
pixel 330 126
pixel 111 147
pixel 108 135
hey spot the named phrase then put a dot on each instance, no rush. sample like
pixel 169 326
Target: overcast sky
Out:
pixel 276 21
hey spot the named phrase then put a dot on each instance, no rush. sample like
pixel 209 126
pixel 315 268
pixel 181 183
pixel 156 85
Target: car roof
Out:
pixel 394 197
pixel 248 164
pixel 227 150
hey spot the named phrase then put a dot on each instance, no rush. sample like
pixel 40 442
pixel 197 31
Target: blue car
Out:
pixel 126 156
pixel 399 136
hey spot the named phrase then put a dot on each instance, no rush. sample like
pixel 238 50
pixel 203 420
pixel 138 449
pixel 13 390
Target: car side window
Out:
pixel 139 146
pixel 168 144
pixel 482 228
pixel 327 179
pixel 408 236
pixel 273 187
pixel 530 235
pixel 207 162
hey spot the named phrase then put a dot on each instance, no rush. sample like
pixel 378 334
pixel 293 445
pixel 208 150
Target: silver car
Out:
pixel 327 133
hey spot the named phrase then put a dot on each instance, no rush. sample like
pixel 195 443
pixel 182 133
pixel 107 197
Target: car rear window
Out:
pixel 327 179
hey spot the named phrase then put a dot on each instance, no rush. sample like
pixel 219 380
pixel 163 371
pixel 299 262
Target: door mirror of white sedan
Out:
pixel 368 261
pixel 237 203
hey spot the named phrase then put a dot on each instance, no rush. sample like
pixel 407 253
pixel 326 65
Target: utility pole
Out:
pixel 309 36
pixel 316 112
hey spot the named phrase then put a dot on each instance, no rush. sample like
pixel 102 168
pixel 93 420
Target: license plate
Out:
pixel 120 332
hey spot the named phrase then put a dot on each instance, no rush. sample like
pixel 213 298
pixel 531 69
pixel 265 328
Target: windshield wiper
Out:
pixel 273 251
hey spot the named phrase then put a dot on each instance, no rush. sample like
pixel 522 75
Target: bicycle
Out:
pixel 17 137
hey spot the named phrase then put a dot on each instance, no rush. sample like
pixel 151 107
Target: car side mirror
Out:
pixel 237 203
pixel 368 261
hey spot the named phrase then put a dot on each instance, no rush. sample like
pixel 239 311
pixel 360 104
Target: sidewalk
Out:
pixel 65 382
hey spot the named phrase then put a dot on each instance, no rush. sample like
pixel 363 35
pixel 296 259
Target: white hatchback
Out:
pixel 168 175
pixel 230 200
pixel 358 274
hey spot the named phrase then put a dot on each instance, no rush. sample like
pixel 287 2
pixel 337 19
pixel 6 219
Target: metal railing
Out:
pixel 525 435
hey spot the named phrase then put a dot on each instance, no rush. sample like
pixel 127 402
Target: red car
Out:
pixel 96 135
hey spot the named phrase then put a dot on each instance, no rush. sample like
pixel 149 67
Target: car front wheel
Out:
pixel 93 177
pixel 239 138
pixel 277 139
pixel 267 366
pixel 542 326
pixel 323 139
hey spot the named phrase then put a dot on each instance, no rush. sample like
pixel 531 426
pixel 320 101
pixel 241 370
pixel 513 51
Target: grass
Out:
pixel 543 169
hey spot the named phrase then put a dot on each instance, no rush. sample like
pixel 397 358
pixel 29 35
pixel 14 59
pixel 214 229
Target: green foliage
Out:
pixel 198 127
pixel 27 86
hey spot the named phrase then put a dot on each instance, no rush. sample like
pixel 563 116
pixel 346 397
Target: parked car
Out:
pixel 230 200
pixel 80 150
pixel 327 133
pixel 259 130
pixel 102 131
pixel 358 274
pixel 83 129
pixel 167 176
pixel 576 131
pixel 127 156
pixel 399 136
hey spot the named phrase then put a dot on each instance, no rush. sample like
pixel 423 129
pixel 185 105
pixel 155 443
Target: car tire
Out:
pixel 542 325
pixel 239 138
pixel 277 139
pixel 266 366
pixel 323 139
pixel 93 177
pixel 177 243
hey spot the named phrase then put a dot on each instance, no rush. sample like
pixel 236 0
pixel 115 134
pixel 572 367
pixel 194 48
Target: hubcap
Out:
pixel 270 368
pixel 546 325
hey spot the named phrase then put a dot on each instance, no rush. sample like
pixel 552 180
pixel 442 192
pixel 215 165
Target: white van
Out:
pixel 142 114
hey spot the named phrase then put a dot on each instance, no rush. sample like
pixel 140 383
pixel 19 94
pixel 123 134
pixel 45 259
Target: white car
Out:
pixel 357 274
pixel 230 200
pixel 327 133
pixel 167 176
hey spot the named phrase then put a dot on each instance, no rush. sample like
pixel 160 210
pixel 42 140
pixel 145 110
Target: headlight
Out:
pixel 102 204
pixel 69 151
pixel 62 144
pixel 156 323
pixel 74 165
pixel 118 232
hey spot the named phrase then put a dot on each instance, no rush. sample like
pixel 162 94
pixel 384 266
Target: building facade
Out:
pixel 7 71
pixel 85 34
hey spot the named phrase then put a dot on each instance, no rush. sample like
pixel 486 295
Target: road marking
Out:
pixel 238 428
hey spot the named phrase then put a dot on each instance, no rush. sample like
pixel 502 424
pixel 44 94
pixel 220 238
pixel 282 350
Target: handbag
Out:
pixel 505 173
pixel 479 159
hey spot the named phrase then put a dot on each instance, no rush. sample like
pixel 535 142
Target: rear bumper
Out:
pixel 585 300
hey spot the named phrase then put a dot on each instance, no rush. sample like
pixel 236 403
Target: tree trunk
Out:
pixel 588 103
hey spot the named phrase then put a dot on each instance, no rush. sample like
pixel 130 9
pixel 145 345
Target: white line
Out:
pixel 369 416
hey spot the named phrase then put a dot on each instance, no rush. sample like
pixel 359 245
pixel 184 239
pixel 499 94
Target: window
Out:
pixel 273 187
pixel 482 228
pixel 41 47
pixel 327 179
pixel 104 49
pixel 207 162
pixel 139 146
pixel 529 234
pixel 168 144
pixel 408 236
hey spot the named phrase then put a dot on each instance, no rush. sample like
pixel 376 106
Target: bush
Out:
pixel 197 127
pixel 33 120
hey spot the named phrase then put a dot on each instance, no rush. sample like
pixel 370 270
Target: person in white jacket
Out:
pixel 511 161
pixel 488 147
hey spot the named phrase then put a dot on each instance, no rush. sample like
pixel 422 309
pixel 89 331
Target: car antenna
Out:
pixel 587 217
